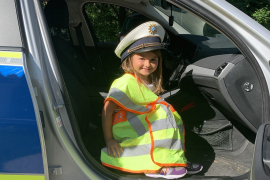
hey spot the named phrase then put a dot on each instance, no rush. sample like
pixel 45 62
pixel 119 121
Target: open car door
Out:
pixel 22 150
pixel 21 136
pixel 261 158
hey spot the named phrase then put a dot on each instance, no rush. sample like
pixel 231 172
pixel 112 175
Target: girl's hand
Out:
pixel 114 148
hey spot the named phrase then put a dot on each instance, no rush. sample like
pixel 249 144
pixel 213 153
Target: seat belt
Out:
pixel 82 44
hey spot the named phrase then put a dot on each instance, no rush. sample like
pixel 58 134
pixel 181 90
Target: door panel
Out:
pixel 261 158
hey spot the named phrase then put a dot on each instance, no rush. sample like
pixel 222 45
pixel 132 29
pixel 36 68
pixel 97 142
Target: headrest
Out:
pixel 146 37
pixel 56 12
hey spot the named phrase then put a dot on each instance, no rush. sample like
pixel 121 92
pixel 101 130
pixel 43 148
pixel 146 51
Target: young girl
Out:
pixel 143 133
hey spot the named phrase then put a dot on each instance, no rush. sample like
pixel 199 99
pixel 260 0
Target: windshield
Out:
pixel 188 21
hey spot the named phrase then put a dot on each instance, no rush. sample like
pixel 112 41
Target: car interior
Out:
pixel 207 80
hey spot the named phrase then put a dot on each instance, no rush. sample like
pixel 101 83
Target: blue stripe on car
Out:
pixel 20 146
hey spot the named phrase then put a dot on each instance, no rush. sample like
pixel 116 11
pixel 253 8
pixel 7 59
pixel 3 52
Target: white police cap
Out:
pixel 146 37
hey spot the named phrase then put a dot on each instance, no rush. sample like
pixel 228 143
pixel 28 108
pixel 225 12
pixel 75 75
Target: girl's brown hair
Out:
pixel 157 74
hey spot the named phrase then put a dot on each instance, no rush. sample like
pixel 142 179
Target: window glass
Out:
pixel 107 20
pixel 188 21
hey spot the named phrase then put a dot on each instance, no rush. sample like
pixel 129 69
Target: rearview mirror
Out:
pixel 165 5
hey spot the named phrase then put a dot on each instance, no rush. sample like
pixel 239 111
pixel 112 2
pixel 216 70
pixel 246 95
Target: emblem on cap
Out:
pixel 152 28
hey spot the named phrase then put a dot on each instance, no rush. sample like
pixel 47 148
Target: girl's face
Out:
pixel 145 63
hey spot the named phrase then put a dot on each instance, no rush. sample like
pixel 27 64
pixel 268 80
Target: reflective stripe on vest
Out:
pixel 150 132
pixel 145 148
pixel 160 124
pixel 122 98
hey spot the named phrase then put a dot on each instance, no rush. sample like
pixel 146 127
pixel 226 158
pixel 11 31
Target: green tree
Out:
pixel 106 19
pixel 257 9
pixel 263 16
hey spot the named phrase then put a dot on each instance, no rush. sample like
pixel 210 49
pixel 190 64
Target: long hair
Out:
pixel 157 74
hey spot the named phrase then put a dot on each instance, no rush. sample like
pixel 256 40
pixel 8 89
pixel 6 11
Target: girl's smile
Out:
pixel 145 63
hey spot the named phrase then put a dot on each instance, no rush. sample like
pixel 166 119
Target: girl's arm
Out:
pixel 107 119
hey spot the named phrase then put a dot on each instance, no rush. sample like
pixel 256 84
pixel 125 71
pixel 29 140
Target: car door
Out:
pixel 261 158
pixel 215 13
pixel 22 150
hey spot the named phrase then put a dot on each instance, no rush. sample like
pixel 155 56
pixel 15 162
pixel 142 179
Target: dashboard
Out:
pixel 225 78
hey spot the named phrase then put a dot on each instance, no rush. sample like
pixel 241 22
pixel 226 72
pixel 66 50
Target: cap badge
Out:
pixel 152 28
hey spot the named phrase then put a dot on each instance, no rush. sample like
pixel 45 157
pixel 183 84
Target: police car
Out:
pixel 55 72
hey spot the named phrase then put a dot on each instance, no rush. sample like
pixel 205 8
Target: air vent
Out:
pixel 220 69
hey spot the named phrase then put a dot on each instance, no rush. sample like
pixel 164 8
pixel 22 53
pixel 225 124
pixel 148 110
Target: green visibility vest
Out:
pixel 149 130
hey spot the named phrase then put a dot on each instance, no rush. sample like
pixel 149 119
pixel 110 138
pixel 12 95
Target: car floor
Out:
pixel 221 165
pixel 233 163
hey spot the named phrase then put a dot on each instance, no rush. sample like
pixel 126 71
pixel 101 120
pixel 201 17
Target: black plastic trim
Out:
pixel 14 49
pixel 266 150
pixel 222 26
pixel 216 130
pixel 21 26
pixel 42 119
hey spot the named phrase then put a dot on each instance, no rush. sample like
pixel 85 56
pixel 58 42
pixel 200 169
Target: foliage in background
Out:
pixel 107 20
pixel 263 16
pixel 44 4
pixel 257 9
